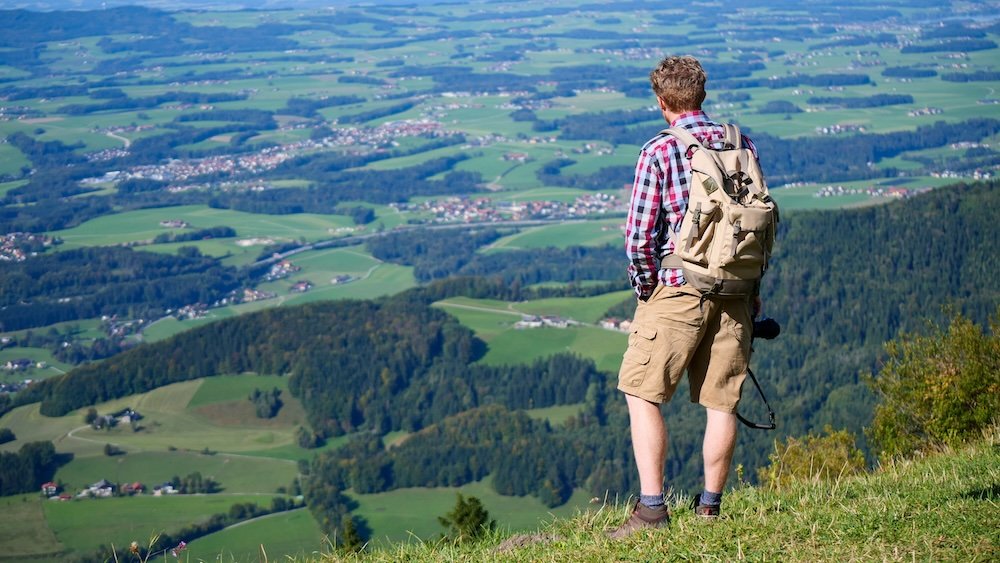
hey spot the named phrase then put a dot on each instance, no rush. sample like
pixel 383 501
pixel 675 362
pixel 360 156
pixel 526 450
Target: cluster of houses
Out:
pixel 611 323
pixel 195 311
pixel 977 174
pixel 245 295
pixel 924 111
pixel 840 128
pixel 18 247
pixel 873 191
pixel 22 364
pixel 181 170
pixel 105 489
pixel 536 321
pixel 539 321
pixel 485 210
pixel 282 269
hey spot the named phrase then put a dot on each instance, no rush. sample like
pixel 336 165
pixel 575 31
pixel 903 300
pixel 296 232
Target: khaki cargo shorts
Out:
pixel 674 331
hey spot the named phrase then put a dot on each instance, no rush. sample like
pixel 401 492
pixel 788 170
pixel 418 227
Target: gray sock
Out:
pixel 651 501
pixel 711 499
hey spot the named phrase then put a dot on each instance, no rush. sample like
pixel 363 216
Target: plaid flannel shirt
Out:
pixel 659 201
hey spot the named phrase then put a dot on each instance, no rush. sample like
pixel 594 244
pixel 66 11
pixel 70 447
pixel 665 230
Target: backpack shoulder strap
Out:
pixel 733 136
pixel 686 138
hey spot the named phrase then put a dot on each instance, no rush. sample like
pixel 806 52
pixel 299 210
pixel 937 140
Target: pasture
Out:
pixel 293 533
pixel 24 533
pixel 411 514
pixel 598 232
pixel 494 322
pixel 84 524
pixel 144 225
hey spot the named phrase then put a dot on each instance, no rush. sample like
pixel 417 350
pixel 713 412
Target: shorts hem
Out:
pixel 717 407
pixel 652 398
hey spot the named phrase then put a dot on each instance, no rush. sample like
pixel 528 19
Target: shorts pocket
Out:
pixel 640 345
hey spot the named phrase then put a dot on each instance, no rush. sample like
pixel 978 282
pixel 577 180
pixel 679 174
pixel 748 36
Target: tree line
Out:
pixel 91 282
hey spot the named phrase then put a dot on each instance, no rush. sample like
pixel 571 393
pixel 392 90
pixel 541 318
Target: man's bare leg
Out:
pixel 717 449
pixel 649 443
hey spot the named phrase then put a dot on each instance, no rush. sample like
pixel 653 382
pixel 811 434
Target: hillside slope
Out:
pixel 940 508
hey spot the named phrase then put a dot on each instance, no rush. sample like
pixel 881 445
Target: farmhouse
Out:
pixel 102 489
pixel 164 489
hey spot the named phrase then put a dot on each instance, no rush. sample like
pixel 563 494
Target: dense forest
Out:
pixel 91 282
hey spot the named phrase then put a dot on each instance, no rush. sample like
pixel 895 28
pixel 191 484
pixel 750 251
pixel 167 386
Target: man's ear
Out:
pixel 663 105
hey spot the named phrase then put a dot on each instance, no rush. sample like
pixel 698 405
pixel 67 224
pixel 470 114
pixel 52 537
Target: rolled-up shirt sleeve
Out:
pixel 644 208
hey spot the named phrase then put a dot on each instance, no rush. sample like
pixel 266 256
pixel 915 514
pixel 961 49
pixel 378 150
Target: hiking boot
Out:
pixel 642 517
pixel 707 511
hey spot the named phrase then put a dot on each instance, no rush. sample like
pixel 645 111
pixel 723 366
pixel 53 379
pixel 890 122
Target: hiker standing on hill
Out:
pixel 676 327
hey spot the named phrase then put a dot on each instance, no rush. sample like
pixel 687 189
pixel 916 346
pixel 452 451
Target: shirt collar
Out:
pixel 690 117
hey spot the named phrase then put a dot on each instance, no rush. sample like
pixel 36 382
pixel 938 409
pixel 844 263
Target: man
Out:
pixel 674 327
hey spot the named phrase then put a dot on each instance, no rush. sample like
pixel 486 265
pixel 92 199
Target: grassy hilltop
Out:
pixel 941 508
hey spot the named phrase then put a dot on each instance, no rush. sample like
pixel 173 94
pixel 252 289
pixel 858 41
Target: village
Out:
pixel 18 247
pixel 460 209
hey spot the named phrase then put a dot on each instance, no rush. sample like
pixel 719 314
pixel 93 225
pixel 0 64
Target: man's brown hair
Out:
pixel 679 82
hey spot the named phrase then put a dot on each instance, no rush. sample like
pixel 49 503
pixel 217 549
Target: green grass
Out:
pixel 493 321
pixel 82 525
pixel 561 235
pixel 24 533
pixel 605 347
pixel 555 415
pixel 294 533
pixel 232 387
pixel 11 162
pixel 229 427
pixel 940 508
pixel 144 224
pixel 406 515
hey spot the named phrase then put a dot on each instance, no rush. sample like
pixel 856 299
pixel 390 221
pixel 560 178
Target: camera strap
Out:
pixel 770 413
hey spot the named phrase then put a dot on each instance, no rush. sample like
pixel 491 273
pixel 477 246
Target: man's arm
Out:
pixel 644 207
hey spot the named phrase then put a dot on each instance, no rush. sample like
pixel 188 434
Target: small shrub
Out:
pixel 815 457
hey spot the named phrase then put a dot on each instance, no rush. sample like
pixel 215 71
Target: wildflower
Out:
pixel 180 547
pixel 134 548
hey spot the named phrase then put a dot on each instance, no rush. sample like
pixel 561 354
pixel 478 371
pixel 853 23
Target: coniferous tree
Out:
pixel 468 520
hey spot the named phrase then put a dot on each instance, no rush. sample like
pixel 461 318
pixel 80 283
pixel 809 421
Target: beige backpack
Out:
pixel 728 230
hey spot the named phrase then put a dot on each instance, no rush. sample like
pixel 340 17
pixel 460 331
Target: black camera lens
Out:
pixel 766 329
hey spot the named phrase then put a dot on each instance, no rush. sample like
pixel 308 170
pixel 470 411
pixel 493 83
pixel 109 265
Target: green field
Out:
pixel 24 532
pixel 294 533
pixel 494 321
pixel 561 235
pixel 83 525
pixel 392 523
pixel 144 224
